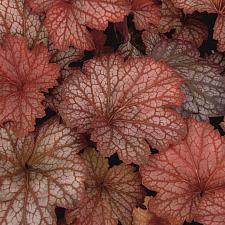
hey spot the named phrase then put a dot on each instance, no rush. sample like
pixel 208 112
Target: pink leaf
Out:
pixel 186 174
pixel 123 103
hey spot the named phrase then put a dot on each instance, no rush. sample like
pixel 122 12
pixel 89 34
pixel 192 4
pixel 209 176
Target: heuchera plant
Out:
pixel 109 111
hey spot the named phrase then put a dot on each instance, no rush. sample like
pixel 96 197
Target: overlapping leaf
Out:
pixel 111 194
pixel 186 174
pixel 66 21
pixel 39 172
pixel 187 28
pixel 63 59
pixel 203 86
pixel 24 75
pixel 15 18
pixel 123 103
pixel 144 217
pixel 189 6
pixel 146 12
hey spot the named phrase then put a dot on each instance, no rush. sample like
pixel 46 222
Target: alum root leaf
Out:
pixel 187 27
pixel 24 75
pixel 111 194
pixel 123 103
pixel 144 217
pixel 187 174
pixel 212 209
pixel 146 13
pixel 211 6
pixel 203 86
pixel 66 21
pixel 39 172
pixel 15 18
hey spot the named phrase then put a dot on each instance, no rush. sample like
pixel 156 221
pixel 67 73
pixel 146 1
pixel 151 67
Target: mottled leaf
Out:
pixel 124 103
pixel 146 12
pixel 39 172
pixel 111 194
pixel 186 174
pixel 203 87
pixel 24 75
pixel 211 6
pixel 66 21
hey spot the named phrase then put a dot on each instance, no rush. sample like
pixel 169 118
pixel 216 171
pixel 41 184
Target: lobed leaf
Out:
pixel 24 75
pixel 66 21
pixel 122 103
pixel 187 174
pixel 39 172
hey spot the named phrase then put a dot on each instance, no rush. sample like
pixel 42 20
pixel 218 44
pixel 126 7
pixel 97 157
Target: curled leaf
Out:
pixel 24 75
pixel 187 174
pixel 123 103
pixel 39 172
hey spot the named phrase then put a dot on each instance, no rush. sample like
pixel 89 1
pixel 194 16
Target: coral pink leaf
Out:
pixel 146 13
pixel 186 173
pixel 39 172
pixel 212 209
pixel 24 75
pixel 203 86
pixel 111 194
pixel 16 19
pixel 66 21
pixel 123 103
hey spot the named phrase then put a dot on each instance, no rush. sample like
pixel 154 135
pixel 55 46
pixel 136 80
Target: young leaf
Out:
pixel 111 194
pixel 124 103
pixel 189 6
pixel 203 86
pixel 187 27
pixel 66 21
pixel 186 174
pixel 39 172
pixel 144 217
pixel 24 75
pixel 146 13
pixel 15 18
pixel 212 209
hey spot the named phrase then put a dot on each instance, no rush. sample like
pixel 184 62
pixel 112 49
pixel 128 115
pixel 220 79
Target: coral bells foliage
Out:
pixel 88 87
pixel 39 172
pixel 66 21
pixel 106 202
pixel 24 75
pixel 123 103
pixel 189 178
